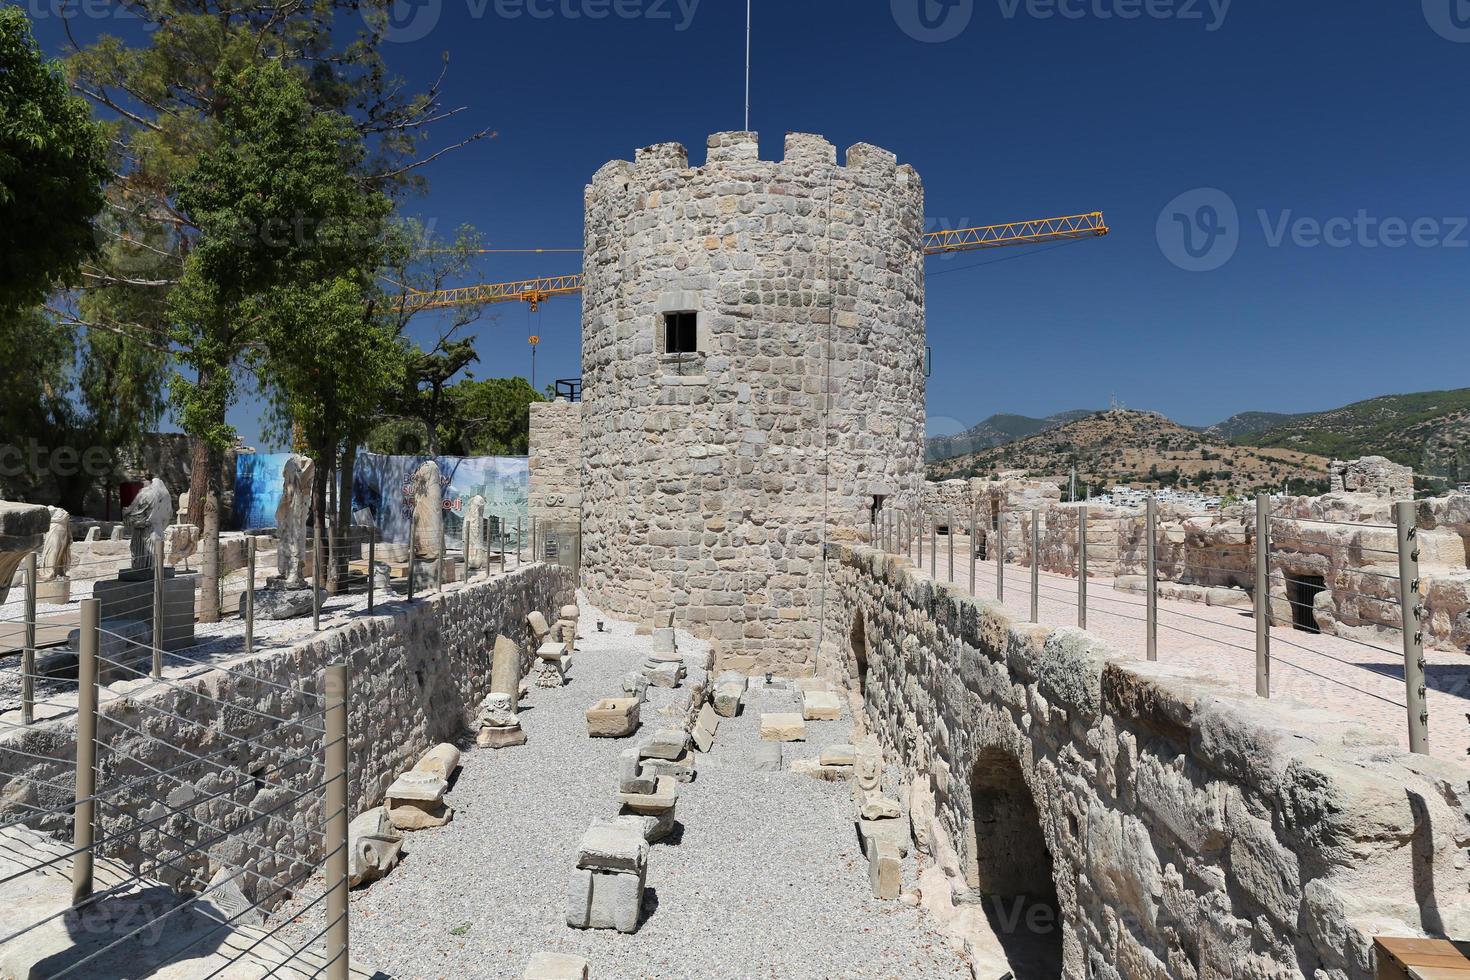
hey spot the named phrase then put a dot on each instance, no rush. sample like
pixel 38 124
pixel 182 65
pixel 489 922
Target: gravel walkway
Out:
pixel 766 878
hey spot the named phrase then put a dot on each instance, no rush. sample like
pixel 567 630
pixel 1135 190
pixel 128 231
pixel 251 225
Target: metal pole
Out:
pixel 1082 568
pixel 502 544
pixel 934 546
pixel 84 815
pixel 1413 622
pixel 1263 595
pixel 412 550
pixel 439 565
pixel 372 565
pixel 250 594
pixel 335 802
pixel 158 608
pixel 534 553
pixel 1000 554
pixel 1035 566
pixel 316 574
pixel 1151 552
pixel 949 525
pixel 485 530
pixel 28 653
pixel 973 553
pixel 519 558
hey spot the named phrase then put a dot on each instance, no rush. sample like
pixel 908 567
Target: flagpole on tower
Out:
pixel 747 65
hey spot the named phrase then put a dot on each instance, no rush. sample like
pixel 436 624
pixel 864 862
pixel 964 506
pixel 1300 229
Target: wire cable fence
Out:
pixel 1278 581
pixel 165 822
pixel 272 591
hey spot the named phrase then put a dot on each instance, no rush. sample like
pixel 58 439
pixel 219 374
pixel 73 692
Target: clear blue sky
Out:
pixel 1304 110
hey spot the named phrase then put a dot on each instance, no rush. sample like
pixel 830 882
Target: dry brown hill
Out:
pixel 1143 450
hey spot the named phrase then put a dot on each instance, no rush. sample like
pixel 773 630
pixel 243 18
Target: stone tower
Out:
pixel 753 371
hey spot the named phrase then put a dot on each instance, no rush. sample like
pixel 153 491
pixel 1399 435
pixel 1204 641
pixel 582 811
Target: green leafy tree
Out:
pixel 53 164
pixel 493 417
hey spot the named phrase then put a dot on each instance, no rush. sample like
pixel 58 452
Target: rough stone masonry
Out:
pixel 753 347
pixel 1176 828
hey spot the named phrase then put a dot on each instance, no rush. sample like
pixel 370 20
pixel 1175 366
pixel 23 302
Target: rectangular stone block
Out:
pixel 607 847
pixel 727 699
pixel 884 870
pixel 660 800
pixel 555 966
pixel 121 599
pixel 613 718
pixel 666 743
pixel 604 900
pixel 821 706
pixel 783 726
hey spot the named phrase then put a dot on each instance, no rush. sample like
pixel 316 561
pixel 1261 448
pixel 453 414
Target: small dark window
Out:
pixel 681 334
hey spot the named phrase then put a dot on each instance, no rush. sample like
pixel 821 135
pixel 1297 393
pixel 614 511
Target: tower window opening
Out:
pixel 681 333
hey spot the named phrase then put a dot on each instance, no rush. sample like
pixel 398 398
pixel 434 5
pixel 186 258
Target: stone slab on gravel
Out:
pixel 556 966
pixel 666 743
pixel 765 757
pixel 821 706
pixel 783 726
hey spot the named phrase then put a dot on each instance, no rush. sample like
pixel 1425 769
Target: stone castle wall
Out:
pixel 418 672
pixel 1187 831
pixel 555 492
pixel 713 478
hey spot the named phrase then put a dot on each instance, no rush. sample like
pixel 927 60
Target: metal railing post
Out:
pixel 502 544
pixel 1412 615
pixel 28 652
pixel 1082 568
pixel 372 591
pixel 84 815
pixel 949 526
pixel 934 546
pixel 439 565
pixel 413 548
pixel 1000 554
pixel 519 540
pixel 1035 566
pixel 1263 595
pixel 158 608
pixel 1151 556
pixel 485 530
pixel 973 552
pixel 250 594
pixel 534 554
pixel 316 575
pixel 335 807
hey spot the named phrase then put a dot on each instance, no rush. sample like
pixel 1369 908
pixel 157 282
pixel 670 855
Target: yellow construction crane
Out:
pixel 537 291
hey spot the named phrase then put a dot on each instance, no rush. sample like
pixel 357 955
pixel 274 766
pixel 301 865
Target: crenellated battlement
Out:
pixel 806 154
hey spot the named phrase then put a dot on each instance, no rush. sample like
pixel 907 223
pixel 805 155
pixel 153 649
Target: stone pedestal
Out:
pixel 613 718
pixel 130 596
pixel 57 591
pixel 605 891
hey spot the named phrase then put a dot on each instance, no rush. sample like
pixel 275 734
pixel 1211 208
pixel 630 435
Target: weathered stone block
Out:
pixel 783 726
pixel 821 706
pixel 613 718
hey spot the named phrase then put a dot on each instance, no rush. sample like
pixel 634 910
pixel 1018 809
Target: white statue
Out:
pixel 296 482
pixel 474 532
pixel 428 510
pixel 56 548
pixel 148 517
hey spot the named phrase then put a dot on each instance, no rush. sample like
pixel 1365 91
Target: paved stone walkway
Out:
pixel 1357 680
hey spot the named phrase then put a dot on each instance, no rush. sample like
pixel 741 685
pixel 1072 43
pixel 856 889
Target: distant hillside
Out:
pixel 1429 431
pixel 1143 449
pixel 1247 423
pixel 997 431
